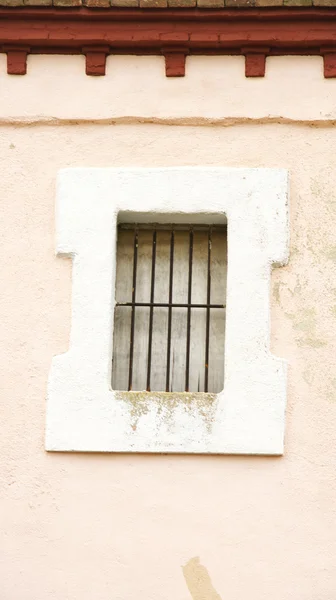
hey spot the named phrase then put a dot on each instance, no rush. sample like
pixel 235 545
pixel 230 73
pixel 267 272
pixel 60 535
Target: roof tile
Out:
pixel 97 3
pixel 38 2
pixel 125 3
pixel 69 3
pixel 298 2
pixel 206 4
pixel 153 3
pixel 11 2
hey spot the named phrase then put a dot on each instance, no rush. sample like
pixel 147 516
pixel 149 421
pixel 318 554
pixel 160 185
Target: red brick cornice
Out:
pixel 175 34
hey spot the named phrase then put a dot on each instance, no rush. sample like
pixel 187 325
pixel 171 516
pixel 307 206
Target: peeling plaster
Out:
pixel 331 253
pixel 305 323
pixel 276 291
pixel 141 403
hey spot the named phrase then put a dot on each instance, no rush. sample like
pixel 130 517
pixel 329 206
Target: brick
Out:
pixel 140 36
pixel 175 64
pixel 153 4
pixel 298 2
pixel 174 37
pixel 96 3
pixel 329 65
pixel 67 3
pixel 181 3
pixel 210 3
pixel 268 3
pixel 16 62
pixel 239 3
pixel 11 2
pixel 204 37
pixel 38 2
pixel 255 65
pixel 95 63
pixel 125 3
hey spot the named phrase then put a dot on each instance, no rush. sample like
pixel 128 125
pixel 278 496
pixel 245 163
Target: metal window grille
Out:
pixel 166 273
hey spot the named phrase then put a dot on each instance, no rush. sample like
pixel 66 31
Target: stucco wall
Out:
pixel 130 527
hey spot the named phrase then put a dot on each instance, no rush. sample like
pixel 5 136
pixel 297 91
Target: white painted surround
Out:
pixel 248 416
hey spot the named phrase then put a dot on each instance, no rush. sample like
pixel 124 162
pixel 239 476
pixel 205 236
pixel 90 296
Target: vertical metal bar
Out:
pixel 151 313
pixel 207 333
pixel 191 244
pixel 171 275
pixel 135 262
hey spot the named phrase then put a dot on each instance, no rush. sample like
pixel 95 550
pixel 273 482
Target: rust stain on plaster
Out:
pixel 198 581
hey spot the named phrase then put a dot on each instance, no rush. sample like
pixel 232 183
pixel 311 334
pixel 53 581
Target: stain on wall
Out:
pixel 198 581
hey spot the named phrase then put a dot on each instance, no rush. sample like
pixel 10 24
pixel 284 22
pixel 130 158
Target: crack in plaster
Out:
pixel 177 121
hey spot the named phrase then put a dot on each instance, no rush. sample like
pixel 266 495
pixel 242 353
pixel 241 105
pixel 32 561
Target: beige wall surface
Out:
pixel 132 527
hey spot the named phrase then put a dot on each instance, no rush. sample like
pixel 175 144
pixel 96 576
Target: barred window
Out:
pixel 169 308
pixel 169 327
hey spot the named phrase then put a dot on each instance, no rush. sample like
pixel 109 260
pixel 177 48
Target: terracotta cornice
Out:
pixel 175 34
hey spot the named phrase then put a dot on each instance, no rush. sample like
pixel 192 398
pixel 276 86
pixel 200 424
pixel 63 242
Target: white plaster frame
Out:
pixel 248 416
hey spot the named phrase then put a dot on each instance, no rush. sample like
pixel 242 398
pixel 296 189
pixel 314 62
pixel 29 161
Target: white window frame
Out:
pixel 248 416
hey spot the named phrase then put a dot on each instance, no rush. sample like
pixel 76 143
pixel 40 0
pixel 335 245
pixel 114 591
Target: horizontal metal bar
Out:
pixel 172 226
pixel 169 304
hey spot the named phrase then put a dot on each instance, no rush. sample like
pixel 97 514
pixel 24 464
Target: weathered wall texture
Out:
pixel 112 527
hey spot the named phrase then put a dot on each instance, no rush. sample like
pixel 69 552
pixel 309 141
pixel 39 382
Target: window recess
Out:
pixel 246 415
pixel 169 327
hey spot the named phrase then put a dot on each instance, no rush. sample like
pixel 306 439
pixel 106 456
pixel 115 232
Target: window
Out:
pixel 170 308
pixel 246 416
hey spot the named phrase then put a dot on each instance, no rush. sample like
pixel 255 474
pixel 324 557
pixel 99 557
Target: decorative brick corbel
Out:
pixel 16 59
pixel 255 61
pixel 95 59
pixel 175 58
pixel 329 61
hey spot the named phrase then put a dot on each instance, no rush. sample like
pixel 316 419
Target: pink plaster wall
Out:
pixel 135 86
pixel 112 527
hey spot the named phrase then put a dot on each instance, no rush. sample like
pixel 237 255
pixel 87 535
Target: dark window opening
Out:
pixel 169 325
